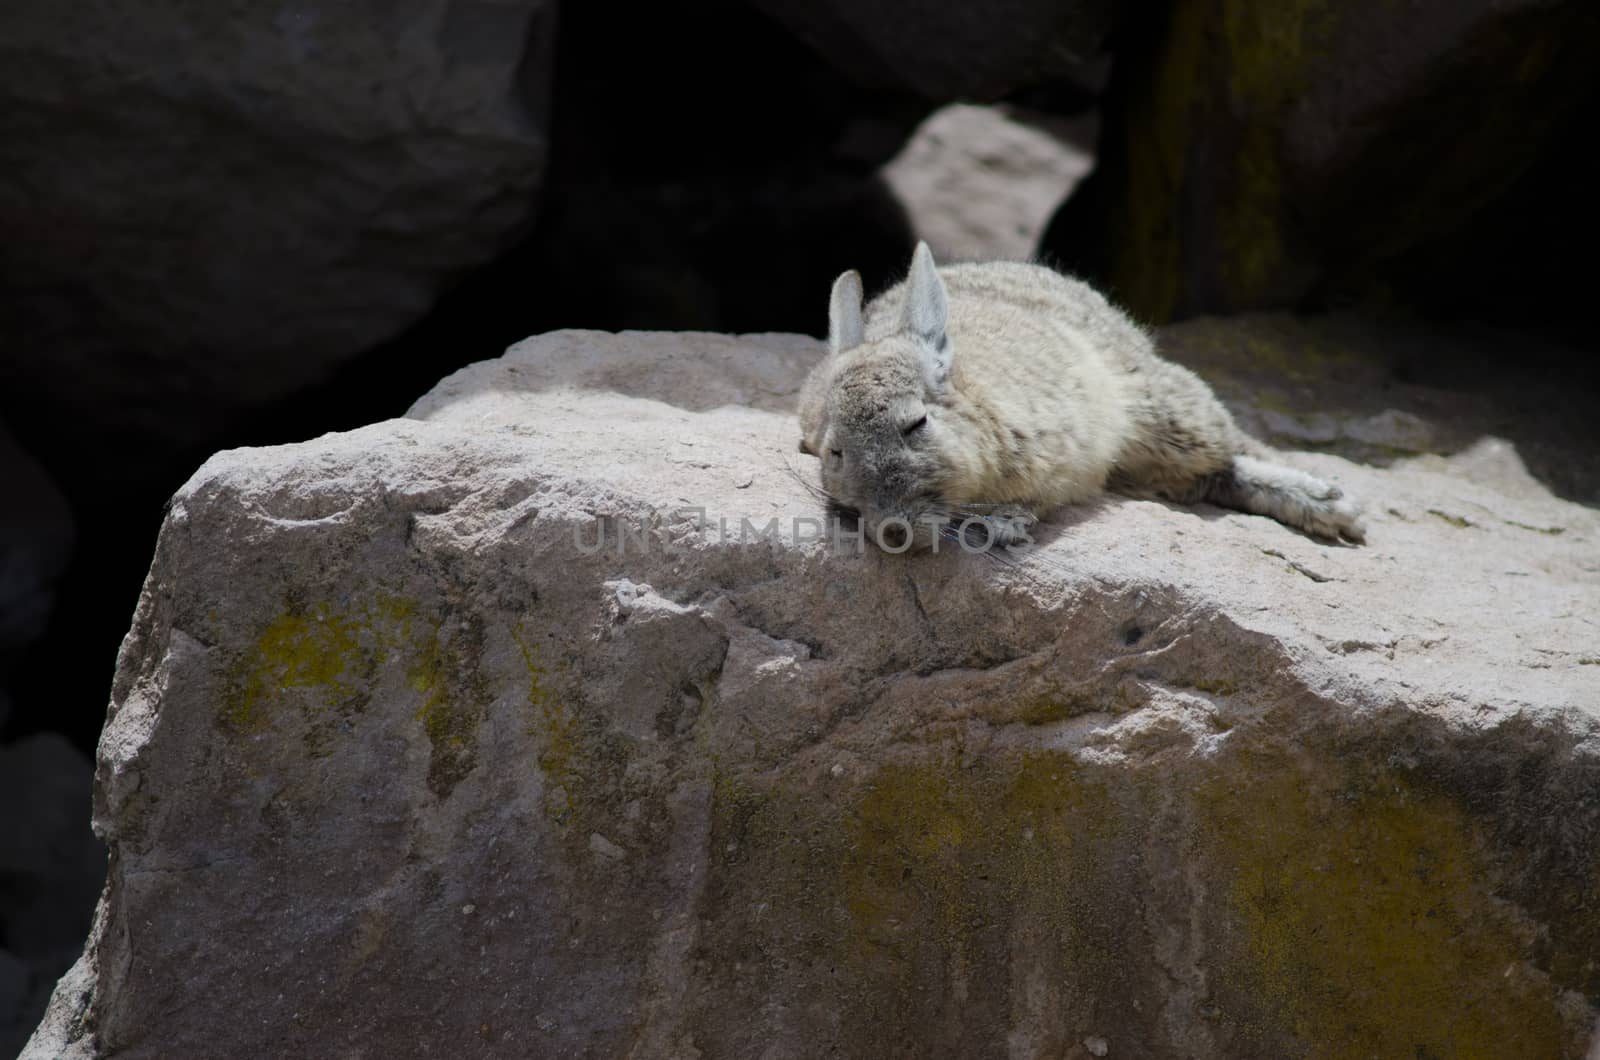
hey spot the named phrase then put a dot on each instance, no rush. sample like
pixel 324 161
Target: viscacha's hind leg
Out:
pixel 1292 497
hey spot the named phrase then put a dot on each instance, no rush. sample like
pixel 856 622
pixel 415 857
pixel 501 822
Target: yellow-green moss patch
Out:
pixel 1457 521
pixel 919 886
pixel 323 660
pixel 312 649
pixel 976 844
pixel 929 900
pixel 1367 924
pixel 583 762
pixel 556 729
pixel 1216 686
pixel 453 701
pixel 1052 706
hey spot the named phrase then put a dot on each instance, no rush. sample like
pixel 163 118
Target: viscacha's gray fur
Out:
pixel 1003 390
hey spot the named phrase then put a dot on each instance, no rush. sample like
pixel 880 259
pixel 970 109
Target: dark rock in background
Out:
pixel 51 866
pixel 1386 388
pixel 51 869
pixel 694 186
pixel 949 51
pixel 1266 155
pixel 36 535
pixel 235 226
pixel 207 206
pixel 1524 261
pixel 697 185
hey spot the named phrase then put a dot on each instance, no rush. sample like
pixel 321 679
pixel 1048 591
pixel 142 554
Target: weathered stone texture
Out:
pixel 208 205
pixel 399 763
pixel 979 183
pixel 1257 154
pixel 1386 390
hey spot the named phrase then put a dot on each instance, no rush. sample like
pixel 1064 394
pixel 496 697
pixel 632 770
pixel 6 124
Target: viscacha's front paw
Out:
pixel 1006 526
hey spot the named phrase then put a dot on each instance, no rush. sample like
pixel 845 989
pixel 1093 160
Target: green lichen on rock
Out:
pixel 1457 521
pixel 584 763
pixel 922 886
pixel 1365 923
pixel 1143 230
pixel 324 660
pixel 1270 47
pixel 313 649
pixel 447 675
pixel 1331 918
pixel 1216 686
pixel 978 843
pixel 1251 147
pixel 1244 65
pixel 555 727
pixel 1050 706
pixel 1277 353
pixel 1266 51
pixel 1572 944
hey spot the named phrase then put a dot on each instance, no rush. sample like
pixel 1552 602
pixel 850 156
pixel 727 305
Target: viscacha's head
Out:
pixel 876 417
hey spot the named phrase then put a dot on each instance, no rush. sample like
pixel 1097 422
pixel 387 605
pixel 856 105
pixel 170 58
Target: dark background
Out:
pixel 228 227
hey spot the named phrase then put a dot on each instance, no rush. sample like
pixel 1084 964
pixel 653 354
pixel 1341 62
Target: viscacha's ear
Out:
pixel 844 312
pixel 927 311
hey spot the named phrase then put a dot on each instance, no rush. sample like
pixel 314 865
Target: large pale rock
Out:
pixel 401 760
pixel 979 183
pixel 1257 153
pixel 210 204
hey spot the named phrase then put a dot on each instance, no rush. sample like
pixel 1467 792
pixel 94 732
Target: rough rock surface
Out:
pixel 1381 390
pixel 210 203
pixel 1257 153
pixel 404 758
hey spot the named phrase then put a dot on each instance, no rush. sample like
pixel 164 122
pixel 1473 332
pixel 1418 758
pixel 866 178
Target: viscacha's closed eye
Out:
pixel 913 428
